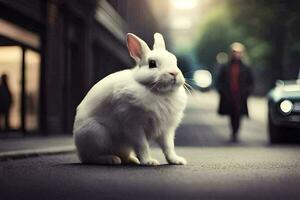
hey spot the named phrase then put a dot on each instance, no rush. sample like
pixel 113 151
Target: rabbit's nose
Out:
pixel 173 73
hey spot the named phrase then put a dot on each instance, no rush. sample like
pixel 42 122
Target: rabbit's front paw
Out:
pixel 177 160
pixel 131 160
pixel 150 161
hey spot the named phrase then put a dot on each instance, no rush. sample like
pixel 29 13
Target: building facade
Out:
pixel 64 47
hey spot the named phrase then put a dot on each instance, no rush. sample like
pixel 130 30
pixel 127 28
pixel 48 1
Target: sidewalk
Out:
pixel 30 146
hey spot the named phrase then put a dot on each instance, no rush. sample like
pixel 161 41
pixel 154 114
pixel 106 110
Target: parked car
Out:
pixel 283 110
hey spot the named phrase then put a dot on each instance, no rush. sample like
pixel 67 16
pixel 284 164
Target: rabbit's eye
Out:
pixel 152 64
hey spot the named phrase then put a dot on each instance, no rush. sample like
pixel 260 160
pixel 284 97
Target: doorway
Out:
pixel 21 66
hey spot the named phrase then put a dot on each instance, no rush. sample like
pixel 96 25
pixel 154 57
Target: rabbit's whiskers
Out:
pixel 188 87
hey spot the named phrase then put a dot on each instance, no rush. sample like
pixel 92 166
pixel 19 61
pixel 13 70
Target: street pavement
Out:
pixel 216 169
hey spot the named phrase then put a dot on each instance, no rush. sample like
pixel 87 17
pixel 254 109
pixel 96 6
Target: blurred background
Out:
pixel 53 51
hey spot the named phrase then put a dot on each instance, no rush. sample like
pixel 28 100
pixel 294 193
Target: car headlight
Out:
pixel 286 106
pixel 203 78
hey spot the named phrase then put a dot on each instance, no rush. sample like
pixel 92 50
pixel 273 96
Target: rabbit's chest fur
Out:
pixel 136 105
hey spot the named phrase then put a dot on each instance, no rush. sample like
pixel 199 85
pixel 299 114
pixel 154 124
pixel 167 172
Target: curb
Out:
pixel 19 154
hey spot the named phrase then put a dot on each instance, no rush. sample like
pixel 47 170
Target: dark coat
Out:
pixel 228 103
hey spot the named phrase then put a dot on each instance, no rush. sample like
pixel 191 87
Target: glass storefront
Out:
pixel 19 78
pixel 10 65
pixel 32 88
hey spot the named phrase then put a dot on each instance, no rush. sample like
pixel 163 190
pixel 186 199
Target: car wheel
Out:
pixel 274 131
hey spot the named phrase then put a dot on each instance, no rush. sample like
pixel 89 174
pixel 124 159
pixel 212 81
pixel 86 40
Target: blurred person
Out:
pixel 234 84
pixel 5 101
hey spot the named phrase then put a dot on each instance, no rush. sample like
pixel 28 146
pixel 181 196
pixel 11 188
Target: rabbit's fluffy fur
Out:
pixel 126 109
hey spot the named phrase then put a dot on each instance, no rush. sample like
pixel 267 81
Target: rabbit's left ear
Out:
pixel 159 42
pixel 137 47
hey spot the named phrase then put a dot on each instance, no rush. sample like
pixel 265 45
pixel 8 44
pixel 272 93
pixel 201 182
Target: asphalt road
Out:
pixel 216 169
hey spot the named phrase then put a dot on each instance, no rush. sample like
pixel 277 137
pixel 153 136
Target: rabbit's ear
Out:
pixel 136 47
pixel 159 42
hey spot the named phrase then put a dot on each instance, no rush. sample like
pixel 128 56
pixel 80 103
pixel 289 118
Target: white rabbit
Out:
pixel 126 109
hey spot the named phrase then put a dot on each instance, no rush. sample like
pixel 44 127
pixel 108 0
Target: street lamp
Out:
pixel 181 24
pixel 184 4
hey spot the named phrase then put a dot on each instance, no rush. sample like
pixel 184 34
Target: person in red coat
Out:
pixel 234 84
